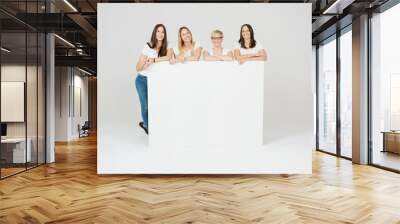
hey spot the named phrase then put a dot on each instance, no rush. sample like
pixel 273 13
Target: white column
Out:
pixel 50 92
pixel 50 99
pixel 360 90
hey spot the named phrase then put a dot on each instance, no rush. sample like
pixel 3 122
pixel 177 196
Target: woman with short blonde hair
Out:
pixel 217 52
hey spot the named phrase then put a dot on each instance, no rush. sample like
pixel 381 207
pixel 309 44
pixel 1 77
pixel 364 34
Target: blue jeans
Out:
pixel 141 87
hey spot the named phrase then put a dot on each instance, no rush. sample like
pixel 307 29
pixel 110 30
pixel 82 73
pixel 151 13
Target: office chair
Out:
pixel 84 130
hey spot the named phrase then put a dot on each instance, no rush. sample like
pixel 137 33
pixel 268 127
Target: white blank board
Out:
pixel 200 105
pixel 12 101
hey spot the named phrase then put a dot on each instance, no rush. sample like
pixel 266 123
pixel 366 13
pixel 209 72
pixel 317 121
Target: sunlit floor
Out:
pixel 10 171
pixel 386 159
pixel 14 169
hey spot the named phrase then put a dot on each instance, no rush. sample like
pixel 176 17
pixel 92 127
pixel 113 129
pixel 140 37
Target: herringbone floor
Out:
pixel 70 191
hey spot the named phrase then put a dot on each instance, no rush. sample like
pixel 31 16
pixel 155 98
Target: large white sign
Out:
pixel 195 123
pixel 201 105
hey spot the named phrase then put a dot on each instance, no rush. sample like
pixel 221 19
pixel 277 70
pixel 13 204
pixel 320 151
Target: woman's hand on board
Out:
pixel 172 60
pixel 151 61
pixel 148 62
pixel 241 60
pixel 181 58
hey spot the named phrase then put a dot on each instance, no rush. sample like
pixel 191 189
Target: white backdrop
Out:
pixel 284 30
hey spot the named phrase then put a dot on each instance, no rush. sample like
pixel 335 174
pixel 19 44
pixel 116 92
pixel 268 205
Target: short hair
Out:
pixel 217 32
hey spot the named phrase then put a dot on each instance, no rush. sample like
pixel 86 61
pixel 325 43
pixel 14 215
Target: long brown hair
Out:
pixel 180 41
pixel 153 41
pixel 252 41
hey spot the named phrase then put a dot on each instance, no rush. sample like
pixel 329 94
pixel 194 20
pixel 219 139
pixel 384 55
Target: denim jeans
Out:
pixel 141 87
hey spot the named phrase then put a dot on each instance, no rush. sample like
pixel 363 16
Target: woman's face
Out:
pixel 216 40
pixel 186 36
pixel 160 33
pixel 246 33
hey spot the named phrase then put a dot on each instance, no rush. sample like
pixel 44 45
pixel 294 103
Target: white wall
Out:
pixel 68 81
pixel 123 29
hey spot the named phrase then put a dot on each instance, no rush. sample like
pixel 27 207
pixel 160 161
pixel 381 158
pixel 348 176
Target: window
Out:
pixel 385 89
pixel 346 93
pixel 327 96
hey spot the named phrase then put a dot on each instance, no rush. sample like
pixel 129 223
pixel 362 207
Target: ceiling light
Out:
pixel 70 5
pixel 64 40
pixel 84 71
pixel 329 9
pixel 5 50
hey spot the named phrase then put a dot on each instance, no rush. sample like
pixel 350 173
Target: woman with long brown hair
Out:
pixel 187 49
pixel 154 51
pixel 248 49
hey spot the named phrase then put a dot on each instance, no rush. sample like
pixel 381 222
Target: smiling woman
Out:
pixel 248 49
pixel 154 51
pixel 187 49
pixel 217 52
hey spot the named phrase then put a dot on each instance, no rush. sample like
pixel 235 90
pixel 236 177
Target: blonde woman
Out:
pixel 187 49
pixel 248 49
pixel 217 52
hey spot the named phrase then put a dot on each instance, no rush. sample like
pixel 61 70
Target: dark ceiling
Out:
pixel 77 22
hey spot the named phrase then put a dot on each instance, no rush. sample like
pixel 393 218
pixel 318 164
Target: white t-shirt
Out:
pixel 187 53
pixel 253 50
pixel 211 53
pixel 150 53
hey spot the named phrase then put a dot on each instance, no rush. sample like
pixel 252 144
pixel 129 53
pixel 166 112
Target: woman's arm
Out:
pixel 142 63
pixel 227 57
pixel 166 57
pixel 261 55
pixel 238 56
pixel 208 57
pixel 172 60
pixel 195 55
pixel 181 57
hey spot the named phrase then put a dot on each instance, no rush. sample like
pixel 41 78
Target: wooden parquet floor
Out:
pixel 70 191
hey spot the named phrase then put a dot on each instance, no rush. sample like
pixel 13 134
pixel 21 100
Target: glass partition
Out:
pixel 13 109
pixel 32 95
pixel 327 96
pixel 22 67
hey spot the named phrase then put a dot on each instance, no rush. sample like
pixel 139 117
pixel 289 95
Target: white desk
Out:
pixel 213 105
pixel 18 150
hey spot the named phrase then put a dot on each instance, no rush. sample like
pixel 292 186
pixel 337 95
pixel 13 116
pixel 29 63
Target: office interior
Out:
pixel 49 93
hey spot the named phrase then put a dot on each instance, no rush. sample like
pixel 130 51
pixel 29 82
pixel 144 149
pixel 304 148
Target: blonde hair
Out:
pixel 217 32
pixel 180 41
